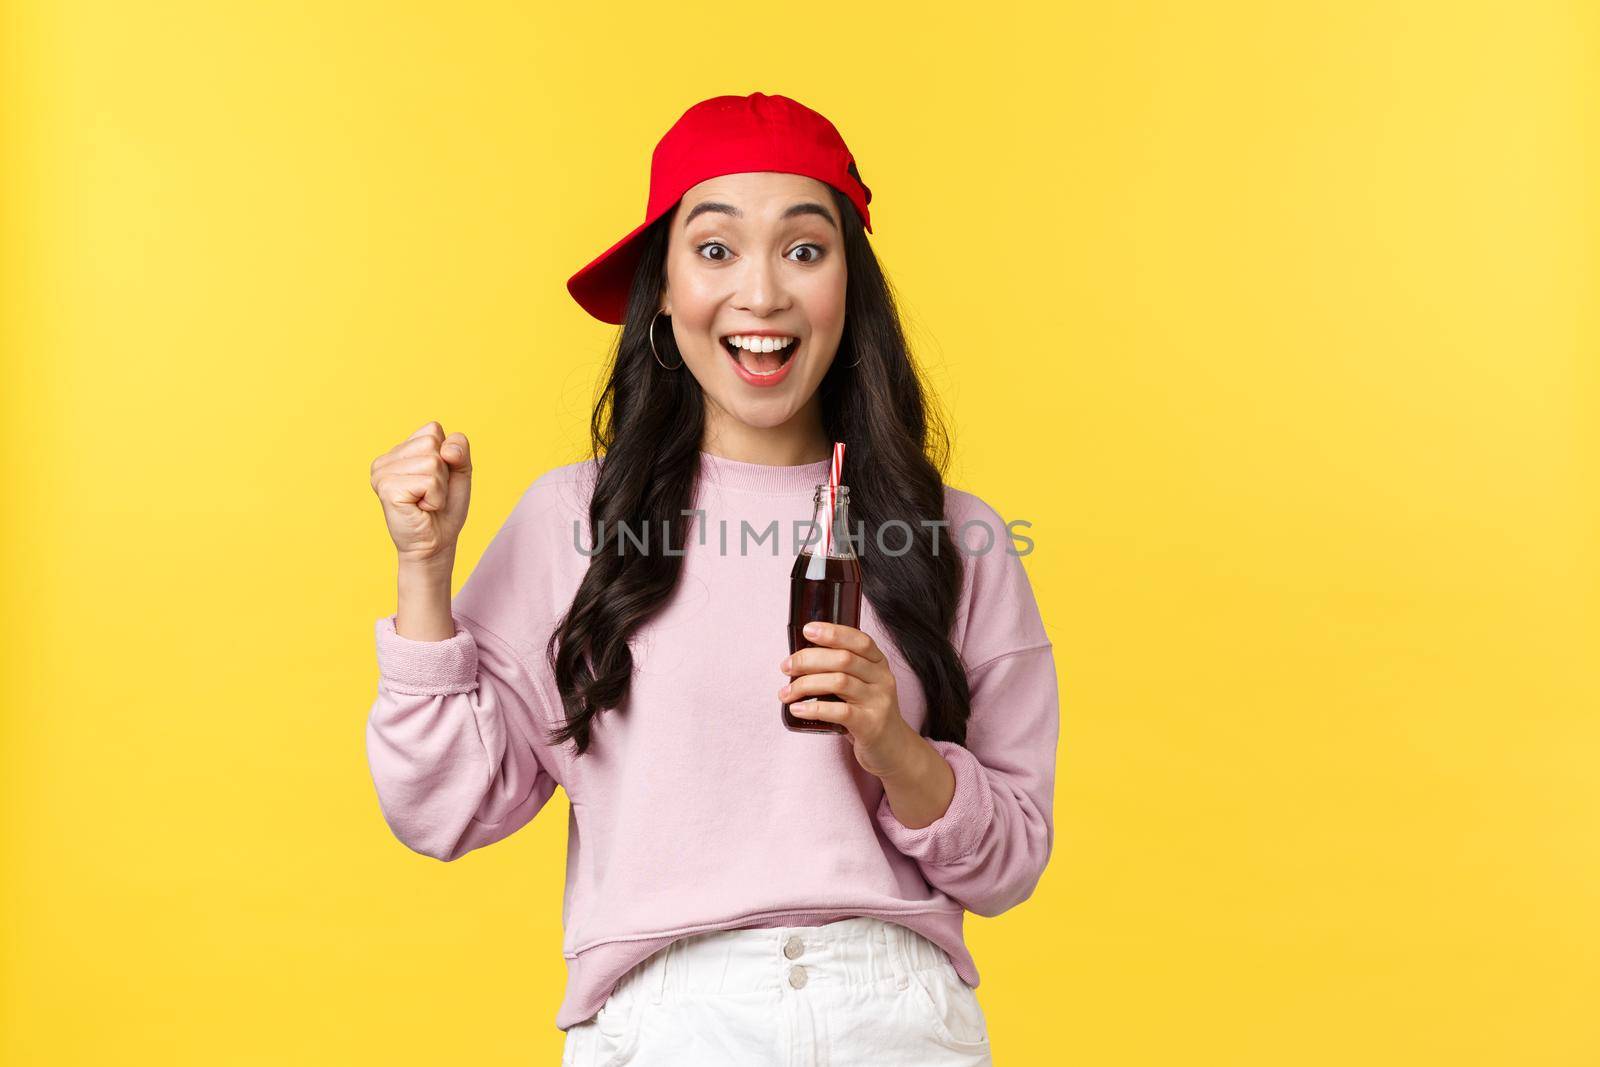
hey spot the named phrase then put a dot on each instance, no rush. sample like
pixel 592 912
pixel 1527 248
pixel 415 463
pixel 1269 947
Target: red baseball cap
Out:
pixel 722 135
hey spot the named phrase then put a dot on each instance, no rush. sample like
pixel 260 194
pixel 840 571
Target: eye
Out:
pixel 701 248
pixel 816 255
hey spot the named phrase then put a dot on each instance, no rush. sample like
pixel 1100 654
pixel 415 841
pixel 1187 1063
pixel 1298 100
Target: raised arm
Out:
pixel 456 735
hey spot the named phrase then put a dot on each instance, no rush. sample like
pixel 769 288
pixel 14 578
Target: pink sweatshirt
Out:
pixel 695 809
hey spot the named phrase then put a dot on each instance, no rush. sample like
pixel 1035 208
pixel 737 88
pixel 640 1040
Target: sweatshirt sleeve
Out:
pixel 452 740
pixel 458 736
pixel 990 847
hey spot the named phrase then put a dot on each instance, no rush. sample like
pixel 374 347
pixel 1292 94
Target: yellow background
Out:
pixel 1277 320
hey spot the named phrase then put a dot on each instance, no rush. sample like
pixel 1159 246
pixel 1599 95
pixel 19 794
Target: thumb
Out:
pixel 458 453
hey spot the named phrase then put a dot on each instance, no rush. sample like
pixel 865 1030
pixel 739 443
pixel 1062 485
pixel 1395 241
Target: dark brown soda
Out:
pixel 826 589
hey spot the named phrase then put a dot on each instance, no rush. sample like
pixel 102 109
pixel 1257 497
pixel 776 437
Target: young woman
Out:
pixel 740 890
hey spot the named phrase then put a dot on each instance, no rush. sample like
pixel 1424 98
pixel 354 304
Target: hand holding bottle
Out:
pixel 843 679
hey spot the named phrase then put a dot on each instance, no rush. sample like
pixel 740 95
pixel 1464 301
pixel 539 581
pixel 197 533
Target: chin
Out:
pixel 761 415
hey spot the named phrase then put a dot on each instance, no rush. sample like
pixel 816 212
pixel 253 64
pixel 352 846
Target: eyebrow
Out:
pixel 805 207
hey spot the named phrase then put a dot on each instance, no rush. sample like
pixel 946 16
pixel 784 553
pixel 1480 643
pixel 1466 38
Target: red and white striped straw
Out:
pixel 835 469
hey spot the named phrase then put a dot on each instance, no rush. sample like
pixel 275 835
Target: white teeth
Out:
pixel 760 344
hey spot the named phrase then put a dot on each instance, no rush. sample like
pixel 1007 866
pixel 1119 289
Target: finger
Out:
pixel 815 660
pixel 420 490
pixel 837 635
pixel 420 463
pixel 424 442
pixel 410 448
pixel 457 452
pixel 826 710
pixel 846 686
pixel 430 463
pixel 422 445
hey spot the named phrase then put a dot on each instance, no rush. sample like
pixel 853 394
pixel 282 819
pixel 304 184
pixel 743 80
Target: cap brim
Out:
pixel 601 288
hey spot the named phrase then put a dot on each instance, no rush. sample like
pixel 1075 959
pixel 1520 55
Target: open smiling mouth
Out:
pixel 761 357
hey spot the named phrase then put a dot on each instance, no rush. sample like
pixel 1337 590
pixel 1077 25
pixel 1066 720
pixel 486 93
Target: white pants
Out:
pixel 860 991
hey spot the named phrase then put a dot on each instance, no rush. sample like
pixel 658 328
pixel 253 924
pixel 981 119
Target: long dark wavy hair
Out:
pixel 645 434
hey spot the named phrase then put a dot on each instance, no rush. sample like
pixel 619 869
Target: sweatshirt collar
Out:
pixel 761 478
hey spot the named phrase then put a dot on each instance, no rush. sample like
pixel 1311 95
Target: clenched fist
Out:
pixel 424 484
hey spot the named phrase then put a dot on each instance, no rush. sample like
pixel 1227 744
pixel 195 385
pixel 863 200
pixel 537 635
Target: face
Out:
pixel 756 290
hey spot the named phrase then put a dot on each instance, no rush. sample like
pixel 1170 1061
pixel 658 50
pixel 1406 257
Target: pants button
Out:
pixel 797 976
pixel 793 947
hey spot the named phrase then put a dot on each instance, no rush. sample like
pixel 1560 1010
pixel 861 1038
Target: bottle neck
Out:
pixel 834 538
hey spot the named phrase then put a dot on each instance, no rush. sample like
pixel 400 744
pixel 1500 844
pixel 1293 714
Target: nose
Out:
pixel 760 288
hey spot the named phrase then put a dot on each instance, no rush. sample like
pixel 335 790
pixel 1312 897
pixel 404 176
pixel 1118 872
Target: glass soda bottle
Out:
pixel 825 585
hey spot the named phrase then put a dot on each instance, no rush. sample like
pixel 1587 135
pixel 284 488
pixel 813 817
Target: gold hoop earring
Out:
pixel 653 351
